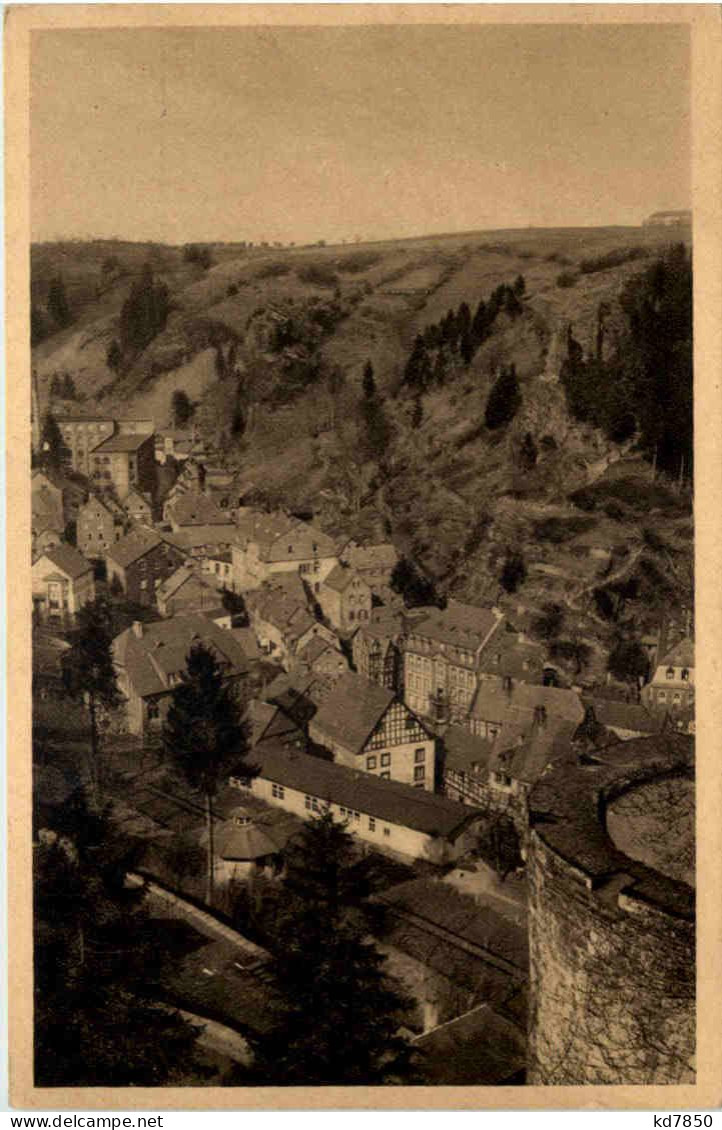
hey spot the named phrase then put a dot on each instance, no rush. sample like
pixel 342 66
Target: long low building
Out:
pixel 387 814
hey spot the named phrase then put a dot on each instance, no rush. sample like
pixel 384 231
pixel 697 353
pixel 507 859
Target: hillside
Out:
pixel 271 344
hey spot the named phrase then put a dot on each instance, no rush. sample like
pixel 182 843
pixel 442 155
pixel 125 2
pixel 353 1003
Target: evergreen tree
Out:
pixel 417 372
pixel 463 319
pixel 416 589
pixel 512 305
pixel 90 674
pixel 479 327
pixel 450 331
pixel 417 413
pixel 38 325
pixel 56 385
pixel 378 431
pixel 519 287
pixel 504 399
pixel 628 662
pixel 203 731
pixel 144 313
pixel 528 453
pixel 466 346
pixel 369 384
pixel 440 368
pixel 341 1016
pixel 58 307
pixel 114 356
pixel 181 407
pixel 96 959
pixel 513 571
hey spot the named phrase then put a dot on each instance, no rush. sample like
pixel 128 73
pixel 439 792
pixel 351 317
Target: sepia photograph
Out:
pixel 361 449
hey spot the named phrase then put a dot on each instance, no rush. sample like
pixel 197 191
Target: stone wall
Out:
pixel 612 942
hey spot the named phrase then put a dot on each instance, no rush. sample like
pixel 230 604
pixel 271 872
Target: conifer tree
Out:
pixel 417 413
pixel 90 674
pixel 203 734
pixel 466 346
pixel 58 307
pixel 369 384
pixel 504 399
pixel 417 372
pixel 341 1016
pixel 114 356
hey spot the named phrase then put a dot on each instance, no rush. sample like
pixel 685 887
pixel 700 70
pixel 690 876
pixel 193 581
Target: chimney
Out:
pixel 138 629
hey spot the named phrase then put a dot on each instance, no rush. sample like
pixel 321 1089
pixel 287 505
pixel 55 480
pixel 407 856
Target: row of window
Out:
pixel 671 674
pixel 675 696
pixel 371 760
pixel 307 566
pixel 362 614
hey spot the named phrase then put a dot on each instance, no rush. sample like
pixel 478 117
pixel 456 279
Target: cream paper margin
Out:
pixel 704 21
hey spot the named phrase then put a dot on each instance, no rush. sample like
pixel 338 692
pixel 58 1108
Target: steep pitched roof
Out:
pixel 180 577
pixel 464 751
pixel 195 509
pixel 191 537
pixel 622 715
pixel 462 625
pixel 283 603
pixel 134 546
pixel 124 441
pixel 403 805
pixel 69 560
pixel 515 705
pixel 523 751
pixel 373 557
pixel 353 708
pixel 681 655
pixel 163 647
pixel 339 578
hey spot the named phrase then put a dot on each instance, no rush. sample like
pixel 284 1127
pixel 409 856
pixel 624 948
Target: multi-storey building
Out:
pixel 100 524
pixel 377 652
pixel 117 453
pixel 442 659
pixel 140 562
pixel 268 544
pixel 62 584
pixel 672 686
pixel 367 727
pixel 345 598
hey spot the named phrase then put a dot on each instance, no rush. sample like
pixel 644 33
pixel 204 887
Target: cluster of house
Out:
pixel 411 724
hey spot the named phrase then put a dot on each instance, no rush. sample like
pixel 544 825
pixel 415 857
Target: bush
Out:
pixel 359 261
pixel 272 270
pixel 231 290
pixel 613 258
pixel 567 279
pixel 317 274
pixel 558 530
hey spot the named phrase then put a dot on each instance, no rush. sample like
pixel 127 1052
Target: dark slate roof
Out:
pixel 180 577
pixel 479 1048
pixel 352 709
pixel 134 546
pixel 462 625
pixel 494 703
pixel 403 805
pixel 622 715
pixel 123 441
pixel 373 557
pixel 69 560
pixel 163 649
pixel 339 578
pixel 524 753
pixel 193 509
pixel 681 655
pixel 464 750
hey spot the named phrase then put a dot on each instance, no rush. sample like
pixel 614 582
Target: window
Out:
pixel 385 759
pixel 661 696
pixel 503 779
pixel 372 824
pixel 143 585
pixel 419 755
pixel 685 675
pixel 239 782
pixel 419 772
pixel 677 696
pixel 410 722
pixel 153 711
pixel 278 791
pixel 351 614
pixel 385 776
pixel 387 831
pixel 670 673
pixel 370 762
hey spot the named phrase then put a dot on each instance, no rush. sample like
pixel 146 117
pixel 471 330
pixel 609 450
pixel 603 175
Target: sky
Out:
pixel 299 134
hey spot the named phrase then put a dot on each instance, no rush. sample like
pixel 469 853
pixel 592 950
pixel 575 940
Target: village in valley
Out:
pixel 363 637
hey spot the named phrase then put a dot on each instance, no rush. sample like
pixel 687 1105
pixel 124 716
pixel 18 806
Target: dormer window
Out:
pixel 670 673
pixel 685 675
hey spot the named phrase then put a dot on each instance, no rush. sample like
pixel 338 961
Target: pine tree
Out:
pixel 97 1022
pixel 203 733
pixel 341 1016
pixel 519 287
pixel 58 307
pixel 466 346
pixel 513 571
pixel 181 407
pixel 479 327
pixel 504 399
pixel 114 356
pixel 528 453
pixel 417 413
pixel 90 674
pixel 369 384
pixel 417 371
pixel 52 445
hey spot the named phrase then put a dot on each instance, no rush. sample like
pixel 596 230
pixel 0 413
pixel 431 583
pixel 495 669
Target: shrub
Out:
pixel 231 290
pixel 567 279
pixel 359 261
pixel 557 530
pixel 317 274
pixel 272 270
pixel 613 258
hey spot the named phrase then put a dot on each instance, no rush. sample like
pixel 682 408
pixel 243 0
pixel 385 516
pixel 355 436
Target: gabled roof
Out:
pixel 162 650
pixel 180 577
pixel 123 441
pixel 681 655
pixel 69 560
pixel 283 603
pixel 382 557
pixel 195 509
pixel 403 805
pixel 523 751
pixel 280 537
pixel 135 496
pixel 461 625
pixel 134 545
pixel 340 578
pixel 622 715
pixel 493 702
pixel 464 751
pixel 191 537
pixel 352 710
